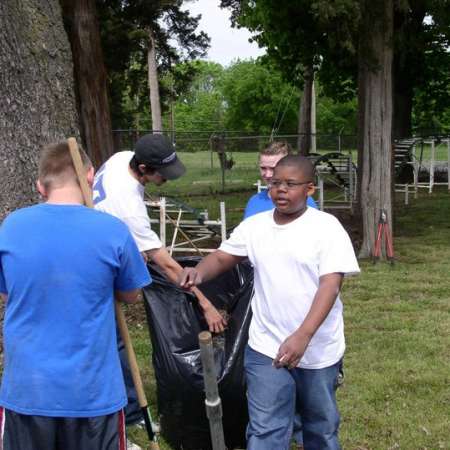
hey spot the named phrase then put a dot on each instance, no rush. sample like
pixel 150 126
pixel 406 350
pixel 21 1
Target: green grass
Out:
pixel 204 175
pixel 397 365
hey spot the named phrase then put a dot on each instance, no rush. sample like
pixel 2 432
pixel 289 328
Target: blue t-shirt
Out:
pixel 59 266
pixel 262 202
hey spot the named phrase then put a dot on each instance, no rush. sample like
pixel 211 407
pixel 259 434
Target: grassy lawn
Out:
pixel 397 387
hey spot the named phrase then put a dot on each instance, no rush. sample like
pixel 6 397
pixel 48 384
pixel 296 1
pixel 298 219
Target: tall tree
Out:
pixel 258 99
pixel 82 26
pixel 313 31
pixel 287 30
pixel 126 27
pixel 375 118
pixel 37 90
pixel 305 119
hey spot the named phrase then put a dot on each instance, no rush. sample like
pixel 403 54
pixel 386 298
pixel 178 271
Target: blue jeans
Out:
pixel 272 395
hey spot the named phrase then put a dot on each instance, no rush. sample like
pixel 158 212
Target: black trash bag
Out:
pixel 175 320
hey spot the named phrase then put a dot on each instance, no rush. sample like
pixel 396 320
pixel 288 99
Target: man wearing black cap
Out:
pixel 119 190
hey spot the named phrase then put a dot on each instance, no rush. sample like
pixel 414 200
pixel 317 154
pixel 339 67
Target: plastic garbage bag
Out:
pixel 175 321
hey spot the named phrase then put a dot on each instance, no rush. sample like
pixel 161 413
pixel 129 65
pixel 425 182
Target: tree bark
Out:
pixel 37 91
pixel 375 121
pixel 155 103
pixel 304 115
pixel 90 78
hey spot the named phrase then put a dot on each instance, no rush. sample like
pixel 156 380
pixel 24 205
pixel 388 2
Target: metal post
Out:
pixel 406 194
pixel 433 155
pixel 211 152
pixel 223 222
pixel 212 401
pixel 415 171
pixel 448 163
pixel 321 193
pixel 162 220
pixel 313 118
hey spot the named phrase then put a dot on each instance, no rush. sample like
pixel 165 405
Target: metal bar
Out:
pixel 193 250
pixel 162 220
pixel 321 195
pixel 433 155
pixel 223 222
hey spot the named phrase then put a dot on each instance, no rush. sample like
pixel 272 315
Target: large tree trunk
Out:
pixel 304 115
pixel 375 121
pixel 37 93
pixel 90 77
pixel 155 103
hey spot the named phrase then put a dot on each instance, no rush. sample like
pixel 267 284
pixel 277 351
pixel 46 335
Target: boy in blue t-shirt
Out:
pixel 61 266
pixel 268 159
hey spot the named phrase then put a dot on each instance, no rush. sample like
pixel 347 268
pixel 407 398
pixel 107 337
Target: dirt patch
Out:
pixel 351 225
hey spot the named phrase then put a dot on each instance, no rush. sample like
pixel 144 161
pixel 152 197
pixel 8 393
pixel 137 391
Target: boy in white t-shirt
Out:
pixel 296 339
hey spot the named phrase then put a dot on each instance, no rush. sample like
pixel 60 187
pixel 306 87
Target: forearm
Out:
pixel 329 287
pixel 130 297
pixel 215 264
pixel 292 349
pixel 172 270
pixel 165 262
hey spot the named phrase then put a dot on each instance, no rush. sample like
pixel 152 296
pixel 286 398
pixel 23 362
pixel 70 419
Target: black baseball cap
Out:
pixel 157 152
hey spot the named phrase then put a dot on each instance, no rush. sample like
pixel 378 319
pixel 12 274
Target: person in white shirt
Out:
pixel 296 339
pixel 119 190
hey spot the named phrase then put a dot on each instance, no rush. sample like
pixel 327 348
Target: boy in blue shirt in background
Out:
pixel 61 265
pixel 268 159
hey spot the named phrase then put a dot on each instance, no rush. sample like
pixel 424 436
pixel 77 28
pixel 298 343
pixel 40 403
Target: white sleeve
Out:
pixel 145 238
pixel 336 253
pixel 236 244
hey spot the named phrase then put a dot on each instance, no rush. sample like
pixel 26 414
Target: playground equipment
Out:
pixel 192 225
pixel 337 172
pixel 410 163
pixel 432 164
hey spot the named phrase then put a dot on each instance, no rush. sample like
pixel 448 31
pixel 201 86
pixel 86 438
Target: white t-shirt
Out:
pixel 288 261
pixel 118 193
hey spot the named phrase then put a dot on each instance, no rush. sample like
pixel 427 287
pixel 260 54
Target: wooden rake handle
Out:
pixel 120 317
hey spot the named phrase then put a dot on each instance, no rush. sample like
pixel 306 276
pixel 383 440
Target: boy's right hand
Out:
pixel 189 278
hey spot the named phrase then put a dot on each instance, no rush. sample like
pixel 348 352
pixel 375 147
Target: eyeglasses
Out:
pixel 289 185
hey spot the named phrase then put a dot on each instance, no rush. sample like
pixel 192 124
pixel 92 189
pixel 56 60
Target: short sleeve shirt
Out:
pixel 288 262
pixel 118 193
pixel 60 266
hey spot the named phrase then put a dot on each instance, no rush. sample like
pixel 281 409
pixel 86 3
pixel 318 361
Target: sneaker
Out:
pixel 131 446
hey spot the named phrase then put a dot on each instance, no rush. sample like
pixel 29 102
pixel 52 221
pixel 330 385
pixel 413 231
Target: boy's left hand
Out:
pixel 291 351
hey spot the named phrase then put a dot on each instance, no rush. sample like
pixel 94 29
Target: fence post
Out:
pixel 321 193
pixel 212 402
pixel 448 163
pixel 432 160
pixel 223 222
pixel 162 220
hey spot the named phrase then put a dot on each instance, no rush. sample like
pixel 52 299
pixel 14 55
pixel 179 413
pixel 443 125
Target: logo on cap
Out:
pixel 169 158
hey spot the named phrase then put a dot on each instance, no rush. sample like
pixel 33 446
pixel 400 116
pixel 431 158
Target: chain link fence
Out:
pixel 226 161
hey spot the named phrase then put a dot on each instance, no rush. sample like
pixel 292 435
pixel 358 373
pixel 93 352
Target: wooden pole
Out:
pixel 212 401
pixel 87 195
